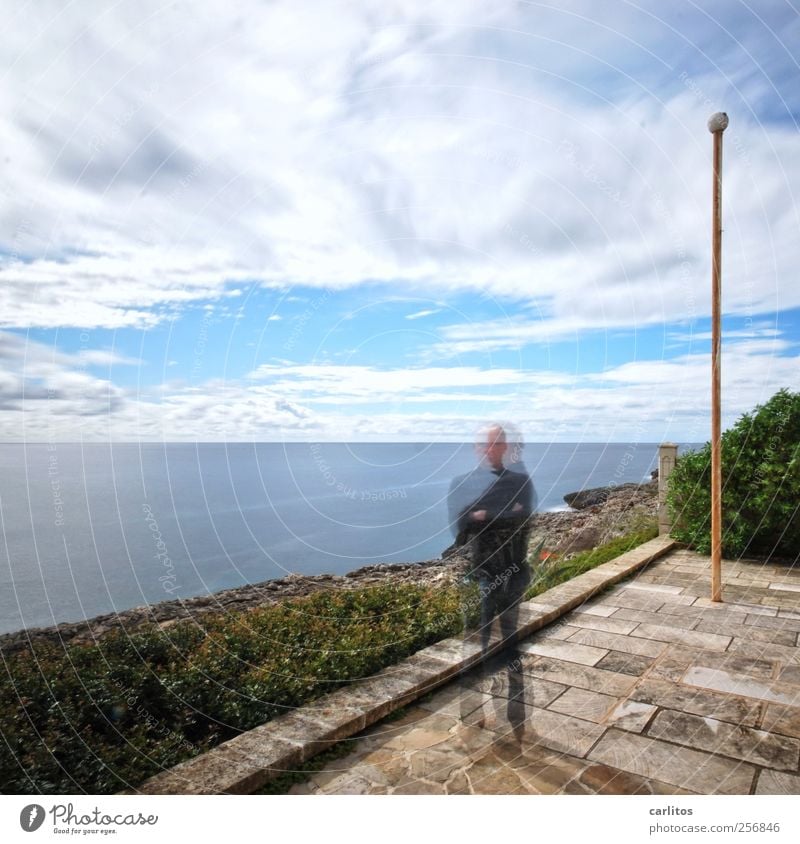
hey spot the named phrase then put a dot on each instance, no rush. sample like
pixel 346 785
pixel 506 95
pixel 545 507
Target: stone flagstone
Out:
pixel 569 651
pixel 700 772
pixel 662 633
pixel 591 706
pixel 584 677
pixel 757 746
pixel 616 642
pixel 724 681
pixel 697 701
pixel 612 625
pixel 775 782
pixel 654 587
pixel 631 715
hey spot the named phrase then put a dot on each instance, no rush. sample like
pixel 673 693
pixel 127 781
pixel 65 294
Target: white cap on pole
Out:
pixel 718 122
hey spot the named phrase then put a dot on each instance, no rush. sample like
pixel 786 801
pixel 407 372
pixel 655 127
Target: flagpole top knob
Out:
pixel 718 122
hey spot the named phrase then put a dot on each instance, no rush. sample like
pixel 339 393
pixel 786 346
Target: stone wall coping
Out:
pixel 244 764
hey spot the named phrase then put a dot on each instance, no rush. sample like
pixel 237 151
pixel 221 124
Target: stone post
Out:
pixel 667 455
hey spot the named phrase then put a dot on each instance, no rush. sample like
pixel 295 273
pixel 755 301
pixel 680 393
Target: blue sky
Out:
pixel 392 221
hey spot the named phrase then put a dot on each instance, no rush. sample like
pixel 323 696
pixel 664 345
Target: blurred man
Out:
pixel 489 509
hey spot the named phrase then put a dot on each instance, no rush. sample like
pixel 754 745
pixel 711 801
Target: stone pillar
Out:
pixel 667 455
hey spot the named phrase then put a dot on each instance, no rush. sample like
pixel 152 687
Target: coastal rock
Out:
pixel 624 508
pixel 587 498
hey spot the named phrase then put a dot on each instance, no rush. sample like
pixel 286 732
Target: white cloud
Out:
pixel 499 148
pixel 54 387
pixel 45 394
pixel 527 153
pixel 424 313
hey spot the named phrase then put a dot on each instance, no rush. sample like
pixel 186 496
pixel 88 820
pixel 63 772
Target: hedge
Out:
pixel 99 718
pixel 760 458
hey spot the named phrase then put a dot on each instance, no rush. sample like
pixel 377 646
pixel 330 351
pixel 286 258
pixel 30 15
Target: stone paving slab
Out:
pixel 623 663
pixel 615 642
pixel 700 772
pixel 455 700
pixel 591 706
pixel 662 618
pixel 773 623
pixel 673 663
pixel 760 669
pixel 654 587
pixel 597 609
pixel 774 782
pixel 581 676
pixel 664 693
pixel 706 610
pixel 782 719
pixel 741 608
pixel 631 715
pixel 658 597
pixel 635 601
pixel 544 727
pixel 593 622
pixel 762 650
pixel 790 674
pixel 532 690
pixel 696 638
pixel 726 681
pixel 754 634
pixel 568 651
pixel 724 739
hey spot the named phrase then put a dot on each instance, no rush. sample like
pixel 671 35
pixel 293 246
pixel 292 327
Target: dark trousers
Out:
pixel 498 563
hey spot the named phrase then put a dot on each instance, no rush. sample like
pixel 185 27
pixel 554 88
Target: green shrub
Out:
pixel 760 458
pixel 99 718
pixel 551 572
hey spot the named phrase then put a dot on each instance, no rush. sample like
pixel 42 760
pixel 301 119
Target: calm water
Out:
pixel 101 528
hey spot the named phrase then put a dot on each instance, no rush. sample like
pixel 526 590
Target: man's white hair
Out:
pixel 482 434
pixel 509 434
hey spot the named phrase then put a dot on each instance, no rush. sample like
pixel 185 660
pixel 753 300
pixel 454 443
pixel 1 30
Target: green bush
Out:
pixel 760 458
pixel 551 572
pixel 99 718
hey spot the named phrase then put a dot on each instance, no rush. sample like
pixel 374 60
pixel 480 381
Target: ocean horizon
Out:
pixel 97 528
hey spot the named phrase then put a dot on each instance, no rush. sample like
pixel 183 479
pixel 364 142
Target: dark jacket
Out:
pixel 497 492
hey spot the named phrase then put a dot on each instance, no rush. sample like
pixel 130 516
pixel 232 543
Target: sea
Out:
pixel 89 529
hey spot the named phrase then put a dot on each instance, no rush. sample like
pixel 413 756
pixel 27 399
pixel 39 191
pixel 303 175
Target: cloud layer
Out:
pixel 553 158
pixel 156 160
pixel 47 396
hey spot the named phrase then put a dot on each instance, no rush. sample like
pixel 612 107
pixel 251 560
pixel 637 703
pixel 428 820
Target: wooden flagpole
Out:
pixel 717 124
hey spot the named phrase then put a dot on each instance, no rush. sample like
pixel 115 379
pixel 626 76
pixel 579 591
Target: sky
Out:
pixel 392 220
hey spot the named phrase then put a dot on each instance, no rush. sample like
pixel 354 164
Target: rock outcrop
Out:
pixel 598 516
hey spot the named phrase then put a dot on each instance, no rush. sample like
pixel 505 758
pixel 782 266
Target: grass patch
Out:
pixel 551 572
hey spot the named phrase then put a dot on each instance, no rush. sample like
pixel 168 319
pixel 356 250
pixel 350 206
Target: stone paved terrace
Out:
pixel 649 688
